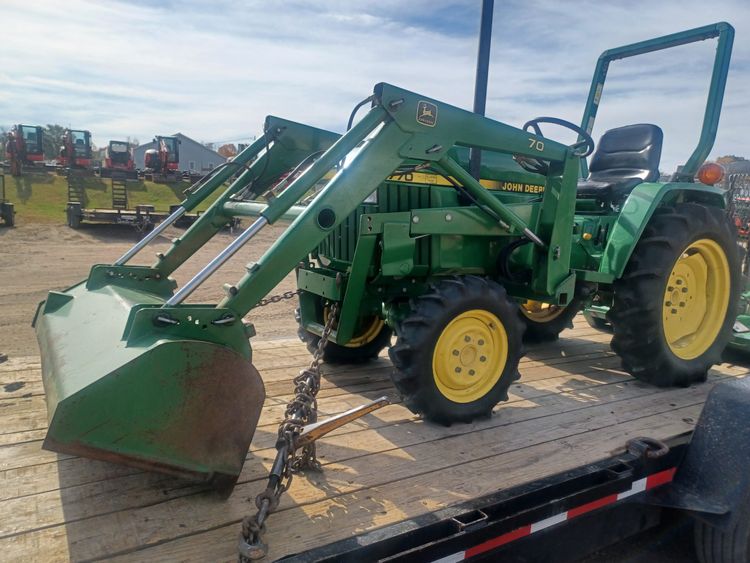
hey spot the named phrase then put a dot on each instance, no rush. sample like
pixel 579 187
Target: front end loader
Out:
pixel 401 239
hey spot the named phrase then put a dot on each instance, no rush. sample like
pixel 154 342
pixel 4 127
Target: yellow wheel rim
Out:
pixel 541 312
pixel 369 330
pixel 696 299
pixel 469 356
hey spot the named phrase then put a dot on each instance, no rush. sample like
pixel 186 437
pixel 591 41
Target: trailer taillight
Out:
pixel 710 173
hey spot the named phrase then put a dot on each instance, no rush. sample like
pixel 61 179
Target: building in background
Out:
pixel 737 167
pixel 194 157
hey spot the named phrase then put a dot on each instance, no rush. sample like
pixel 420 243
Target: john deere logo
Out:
pixel 427 114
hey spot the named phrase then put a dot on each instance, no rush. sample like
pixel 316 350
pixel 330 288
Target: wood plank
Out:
pixel 23 413
pixel 20 363
pixel 21 389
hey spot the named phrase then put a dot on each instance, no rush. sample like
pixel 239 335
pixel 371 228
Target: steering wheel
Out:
pixel 582 148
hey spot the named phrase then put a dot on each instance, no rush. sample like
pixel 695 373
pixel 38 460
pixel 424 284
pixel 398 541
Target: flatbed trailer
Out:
pixel 552 459
pixel 143 217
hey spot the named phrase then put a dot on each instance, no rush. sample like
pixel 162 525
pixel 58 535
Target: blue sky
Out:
pixel 213 70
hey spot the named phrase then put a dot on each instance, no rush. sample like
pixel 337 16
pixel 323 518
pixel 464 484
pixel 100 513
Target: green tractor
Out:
pixel 659 257
pixel 400 239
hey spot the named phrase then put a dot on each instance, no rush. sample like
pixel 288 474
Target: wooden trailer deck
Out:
pixel 571 407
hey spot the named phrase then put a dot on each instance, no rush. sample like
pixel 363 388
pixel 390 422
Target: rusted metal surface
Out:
pixel 647 448
pixel 193 414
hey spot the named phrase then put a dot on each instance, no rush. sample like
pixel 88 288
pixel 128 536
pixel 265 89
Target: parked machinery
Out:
pixel 163 162
pixel 401 240
pixel 118 160
pixel 75 152
pixel 24 147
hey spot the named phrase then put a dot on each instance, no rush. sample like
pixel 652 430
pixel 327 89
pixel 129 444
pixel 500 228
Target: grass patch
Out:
pixel 42 197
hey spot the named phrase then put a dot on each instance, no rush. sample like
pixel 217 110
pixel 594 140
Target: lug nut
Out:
pixel 482 358
pixel 458 370
pixel 481 342
pixel 471 372
pixel 455 352
pixel 467 339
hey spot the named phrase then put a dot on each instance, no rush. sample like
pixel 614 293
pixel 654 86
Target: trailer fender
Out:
pixel 637 211
pixel 712 481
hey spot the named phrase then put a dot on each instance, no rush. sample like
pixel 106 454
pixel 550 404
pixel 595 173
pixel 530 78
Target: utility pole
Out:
pixel 483 69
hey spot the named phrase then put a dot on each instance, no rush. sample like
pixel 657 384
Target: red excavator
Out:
pixel 75 151
pixel 118 160
pixel 24 147
pixel 163 162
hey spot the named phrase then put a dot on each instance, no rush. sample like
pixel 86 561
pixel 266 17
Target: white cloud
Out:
pixel 214 70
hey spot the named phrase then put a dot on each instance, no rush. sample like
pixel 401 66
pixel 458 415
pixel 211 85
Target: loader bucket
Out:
pixel 179 397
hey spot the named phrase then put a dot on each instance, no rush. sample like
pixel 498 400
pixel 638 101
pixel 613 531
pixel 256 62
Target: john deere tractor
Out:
pixel 401 240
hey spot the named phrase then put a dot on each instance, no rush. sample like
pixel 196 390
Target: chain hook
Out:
pixel 301 410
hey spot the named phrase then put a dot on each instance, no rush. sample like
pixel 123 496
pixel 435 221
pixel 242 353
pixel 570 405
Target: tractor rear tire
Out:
pixel 74 217
pixel 350 354
pixel 544 324
pixel 8 214
pixel 675 304
pixel 458 350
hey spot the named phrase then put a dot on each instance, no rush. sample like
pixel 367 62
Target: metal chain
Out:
pixel 301 410
pixel 277 298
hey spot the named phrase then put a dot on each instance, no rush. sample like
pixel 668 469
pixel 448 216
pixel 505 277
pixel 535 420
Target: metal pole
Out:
pixel 217 262
pixel 159 229
pixel 483 69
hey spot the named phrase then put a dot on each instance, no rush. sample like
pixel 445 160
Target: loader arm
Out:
pixel 288 144
pixel 393 134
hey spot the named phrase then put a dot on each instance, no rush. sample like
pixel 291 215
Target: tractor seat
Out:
pixel 624 158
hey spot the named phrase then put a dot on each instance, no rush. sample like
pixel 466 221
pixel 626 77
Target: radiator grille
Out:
pixel 392 197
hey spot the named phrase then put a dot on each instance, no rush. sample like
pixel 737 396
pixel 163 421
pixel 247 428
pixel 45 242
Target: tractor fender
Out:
pixel 712 481
pixel 636 212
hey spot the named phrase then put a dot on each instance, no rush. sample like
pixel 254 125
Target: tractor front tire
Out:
pixel 458 350
pixel 675 304
pixel 364 347
pixel 544 322
pixel 598 323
